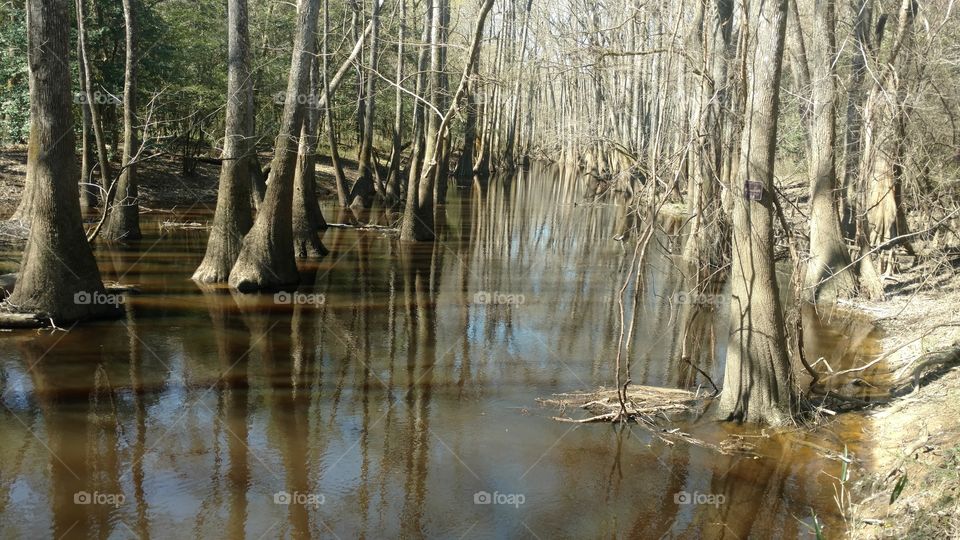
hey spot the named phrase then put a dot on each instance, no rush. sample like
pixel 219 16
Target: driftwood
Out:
pixel 643 402
pixel 190 225
pixel 19 321
pixel 364 227
pixel 644 405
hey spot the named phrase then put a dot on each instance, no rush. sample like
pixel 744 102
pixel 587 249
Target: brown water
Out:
pixel 388 395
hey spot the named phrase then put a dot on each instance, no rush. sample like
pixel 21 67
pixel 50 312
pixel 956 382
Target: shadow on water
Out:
pixel 394 393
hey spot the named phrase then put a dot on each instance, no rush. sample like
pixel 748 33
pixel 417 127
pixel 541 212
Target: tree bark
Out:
pixel 307 218
pixel 363 190
pixel 234 214
pixel 418 219
pixel 123 221
pixel 758 382
pixel 58 274
pixel 393 180
pixel 267 260
pixel 827 274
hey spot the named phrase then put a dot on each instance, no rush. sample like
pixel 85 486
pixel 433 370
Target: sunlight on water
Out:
pixel 394 395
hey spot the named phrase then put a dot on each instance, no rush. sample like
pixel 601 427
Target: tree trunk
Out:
pixel 758 385
pixel 393 180
pixel 418 220
pixel 363 191
pixel 234 216
pixel 853 140
pixel 267 260
pixel 411 227
pixel 58 274
pixel 307 218
pixel 123 221
pixel 827 274
pixel 340 178
pixel 88 188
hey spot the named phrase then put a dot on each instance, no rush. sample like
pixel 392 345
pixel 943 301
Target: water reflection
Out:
pixel 396 387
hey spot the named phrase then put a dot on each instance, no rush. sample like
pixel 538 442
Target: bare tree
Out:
pixel 267 259
pixel 758 382
pixel 828 273
pixel 58 274
pixel 123 219
pixel 234 214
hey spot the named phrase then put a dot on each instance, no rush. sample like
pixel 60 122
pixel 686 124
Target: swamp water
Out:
pixel 395 394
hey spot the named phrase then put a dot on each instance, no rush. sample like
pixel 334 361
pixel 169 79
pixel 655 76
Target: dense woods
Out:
pixel 788 154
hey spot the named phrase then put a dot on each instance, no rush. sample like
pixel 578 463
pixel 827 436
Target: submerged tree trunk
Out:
pixel 307 218
pixel 393 191
pixel 758 384
pixel 363 190
pixel 234 216
pixel 123 221
pixel 58 274
pixel 418 219
pixel 266 259
pixel 828 273
pixel 412 227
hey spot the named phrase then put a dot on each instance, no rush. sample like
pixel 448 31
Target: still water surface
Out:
pixel 395 394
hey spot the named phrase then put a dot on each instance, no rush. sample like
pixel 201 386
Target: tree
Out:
pixel 418 219
pixel 307 217
pixel 267 259
pixel 123 221
pixel 234 215
pixel 58 274
pixel 363 190
pixel 758 382
pixel 828 273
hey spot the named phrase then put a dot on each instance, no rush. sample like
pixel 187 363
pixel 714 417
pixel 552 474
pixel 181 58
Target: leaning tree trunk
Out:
pixel 758 384
pixel 58 274
pixel 123 221
pixel 266 258
pixel 362 192
pixel 234 216
pixel 828 273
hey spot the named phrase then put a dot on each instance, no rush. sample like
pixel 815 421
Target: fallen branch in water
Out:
pixel 363 227
pixel 643 405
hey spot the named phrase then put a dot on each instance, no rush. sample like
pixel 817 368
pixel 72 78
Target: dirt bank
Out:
pixel 917 435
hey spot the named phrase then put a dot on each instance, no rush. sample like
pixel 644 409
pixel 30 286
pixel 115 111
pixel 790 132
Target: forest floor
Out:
pixel 162 185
